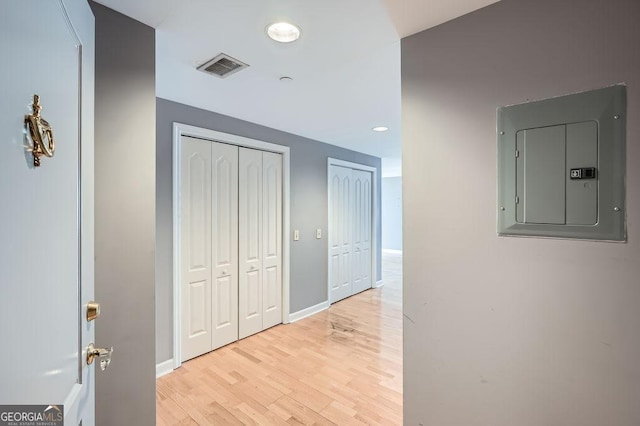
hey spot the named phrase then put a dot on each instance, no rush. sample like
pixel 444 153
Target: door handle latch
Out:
pixel 103 354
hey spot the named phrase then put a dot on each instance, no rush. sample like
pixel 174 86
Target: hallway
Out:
pixel 341 366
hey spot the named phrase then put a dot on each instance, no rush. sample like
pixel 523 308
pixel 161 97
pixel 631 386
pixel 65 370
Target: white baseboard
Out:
pixel 164 367
pixel 378 284
pixel 390 251
pixel 297 316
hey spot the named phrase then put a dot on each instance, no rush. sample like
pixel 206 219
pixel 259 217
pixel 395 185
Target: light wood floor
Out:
pixel 342 366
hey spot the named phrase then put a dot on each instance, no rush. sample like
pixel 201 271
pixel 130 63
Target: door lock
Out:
pixel 103 354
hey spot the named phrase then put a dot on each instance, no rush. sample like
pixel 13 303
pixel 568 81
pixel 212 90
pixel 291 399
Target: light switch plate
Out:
pixel 296 235
pixel 318 233
pixel 539 145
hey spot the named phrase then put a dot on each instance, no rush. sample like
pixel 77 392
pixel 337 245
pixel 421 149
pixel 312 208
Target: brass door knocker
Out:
pixel 41 133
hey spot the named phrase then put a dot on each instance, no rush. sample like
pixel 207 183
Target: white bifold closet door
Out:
pixel 350 198
pixel 224 244
pixel 341 233
pixel 231 243
pixel 362 215
pixel 260 234
pixel 209 245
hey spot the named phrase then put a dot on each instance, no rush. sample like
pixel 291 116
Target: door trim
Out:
pixel 180 130
pixel 374 217
pixel 81 22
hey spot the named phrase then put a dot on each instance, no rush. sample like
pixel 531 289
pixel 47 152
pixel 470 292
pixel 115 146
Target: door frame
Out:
pixel 374 219
pixel 180 130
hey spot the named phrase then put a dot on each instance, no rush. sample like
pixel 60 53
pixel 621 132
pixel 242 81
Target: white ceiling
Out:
pixel 345 67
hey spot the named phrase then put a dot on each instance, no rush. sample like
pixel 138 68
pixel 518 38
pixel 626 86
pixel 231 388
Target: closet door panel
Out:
pixel 272 239
pixel 346 246
pixel 198 306
pixel 367 230
pixel 224 236
pixel 223 308
pixel 340 232
pixel 362 230
pixel 253 299
pixel 335 261
pixel 271 297
pixel 195 229
pixel 250 240
pixel 356 271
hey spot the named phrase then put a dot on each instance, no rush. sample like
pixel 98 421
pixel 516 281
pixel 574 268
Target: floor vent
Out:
pixel 222 66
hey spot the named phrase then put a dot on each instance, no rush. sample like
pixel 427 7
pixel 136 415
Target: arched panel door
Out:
pixel 250 242
pixel 341 233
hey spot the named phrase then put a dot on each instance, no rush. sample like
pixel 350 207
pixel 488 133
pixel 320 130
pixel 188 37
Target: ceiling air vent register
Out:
pixel 222 66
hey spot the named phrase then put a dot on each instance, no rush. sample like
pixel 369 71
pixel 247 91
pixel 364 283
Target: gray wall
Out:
pixel 308 277
pixel 125 217
pixel 392 213
pixel 513 331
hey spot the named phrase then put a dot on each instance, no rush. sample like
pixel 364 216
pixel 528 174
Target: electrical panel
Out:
pixel 561 166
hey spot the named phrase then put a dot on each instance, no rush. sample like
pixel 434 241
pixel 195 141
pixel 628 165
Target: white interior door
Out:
pixel 250 242
pixel 224 241
pixel 195 231
pixel 340 233
pixel 361 231
pixel 272 239
pixel 46 218
pixel 231 243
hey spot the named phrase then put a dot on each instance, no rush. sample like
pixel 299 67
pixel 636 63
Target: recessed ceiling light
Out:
pixel 283 32
pixel 380 129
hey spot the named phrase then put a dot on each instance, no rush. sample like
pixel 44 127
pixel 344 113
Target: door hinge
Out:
pixel 517 200
pixel 517 154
